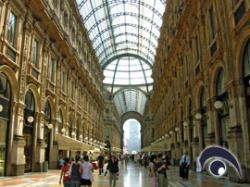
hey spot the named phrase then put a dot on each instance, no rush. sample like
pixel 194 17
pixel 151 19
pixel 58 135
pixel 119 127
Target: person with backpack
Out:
pixel 75 175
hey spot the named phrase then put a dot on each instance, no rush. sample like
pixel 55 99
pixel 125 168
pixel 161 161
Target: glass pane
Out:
pixel 35 52
pixel 134 100
pixel 220 85
pixel 4 87
pixel 120 30
pixel 246 60
pixel 47 112
pixel 3 143
pixel 11 29
pixel 148 17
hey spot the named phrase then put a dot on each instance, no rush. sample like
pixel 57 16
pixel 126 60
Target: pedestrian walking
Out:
pixel 161 167
pixel 75 175
pixel 152 171
pixel 100 163
pixel 65 173
pixel 86 170
pixel 61 163
pixel 126 158
pixel 184 166
pixel 113 169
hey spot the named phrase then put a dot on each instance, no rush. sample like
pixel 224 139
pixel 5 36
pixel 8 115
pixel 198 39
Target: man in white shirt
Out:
pixel 184 166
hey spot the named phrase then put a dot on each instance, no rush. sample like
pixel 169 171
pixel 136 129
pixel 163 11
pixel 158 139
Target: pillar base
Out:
pixel 195 145
pixel 40 154
pixel 195 152
pixel 233 176
pixel 38 167
pixel 236 146
pixel 54 156
pixel 17 170
pixel 210 139
pixel 17 164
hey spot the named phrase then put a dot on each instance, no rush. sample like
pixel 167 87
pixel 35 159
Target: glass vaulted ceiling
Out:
pixel 124 34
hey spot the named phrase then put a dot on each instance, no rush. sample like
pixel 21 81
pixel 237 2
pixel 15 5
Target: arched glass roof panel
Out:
pixel 105 20
pixel 124 34
pixel 129 72
pixel 130 100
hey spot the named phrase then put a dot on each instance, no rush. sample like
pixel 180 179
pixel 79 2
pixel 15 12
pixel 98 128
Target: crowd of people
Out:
pixel 78 172
pixel 158 164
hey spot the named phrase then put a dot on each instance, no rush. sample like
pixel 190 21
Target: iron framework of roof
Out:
pixel 124 34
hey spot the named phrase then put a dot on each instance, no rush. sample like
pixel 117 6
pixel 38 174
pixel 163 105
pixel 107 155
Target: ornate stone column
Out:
pixel 213 133
pixel 53 153
pixel 238 128
pixel 17 151
pixel 196 141
pixel 39 148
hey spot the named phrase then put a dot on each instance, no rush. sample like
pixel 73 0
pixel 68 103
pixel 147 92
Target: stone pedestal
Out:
pixel 237 148
pixel 195 148
pixel 210 139
pixel 54 157
pixel 195 145
pixel 17 157
pixel 246 173
pixel 40 156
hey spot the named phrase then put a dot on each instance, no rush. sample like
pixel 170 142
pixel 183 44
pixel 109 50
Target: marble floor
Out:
pixel 133 176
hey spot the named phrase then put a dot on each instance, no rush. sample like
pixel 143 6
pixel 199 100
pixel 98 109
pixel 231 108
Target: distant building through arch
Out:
pixel 131 136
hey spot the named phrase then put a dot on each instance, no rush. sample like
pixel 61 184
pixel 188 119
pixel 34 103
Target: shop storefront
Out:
pixel 66 143
pixel 28 129
pixel 5 106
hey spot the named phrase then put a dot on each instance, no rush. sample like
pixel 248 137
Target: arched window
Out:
pixel 70 126
pixel 223 114
pixel 220 83
pixel 29 112
pixel 78 130
pixel 4 87
pixel 190 117
pixel 202 103
pixel 65 19
pixel 30 101
pixel 47 112
pixel 246 72
pixel 190 109
pixel 131 136
pixel 246 77
pixel 73 36
pixel 202 99
pixel 246 60
pixel 60 121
